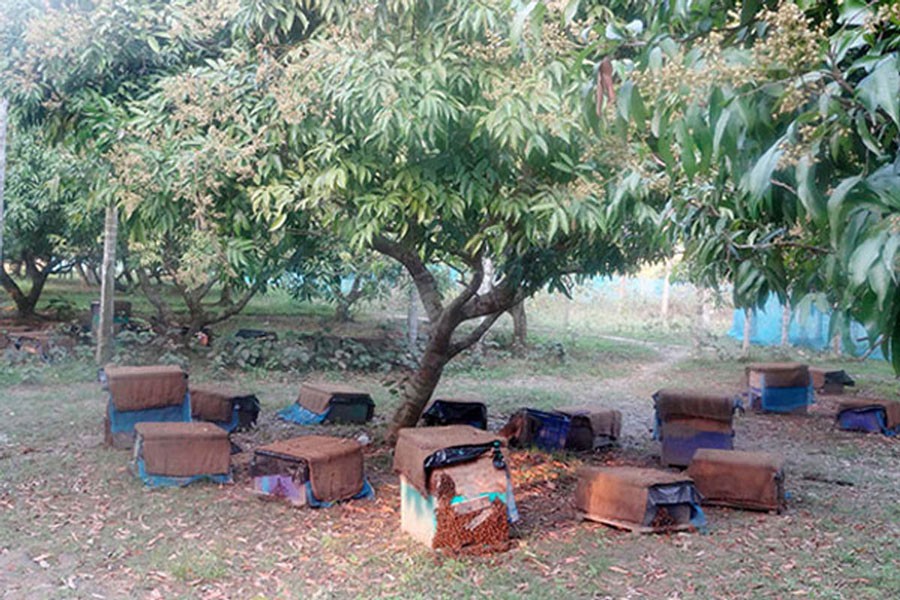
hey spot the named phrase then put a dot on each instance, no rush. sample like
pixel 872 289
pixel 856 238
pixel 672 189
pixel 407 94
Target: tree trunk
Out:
pixel 520 326
pixel 345 302
pixel 26 303
pixel 225 298
pixel 163 312
pixel 342 311
pixel 4 110
pixel 664 303
pixel 106 333
pixel 748 330
pixel 82 274
pixel 786 325
pixel 423 383
pixel 412 321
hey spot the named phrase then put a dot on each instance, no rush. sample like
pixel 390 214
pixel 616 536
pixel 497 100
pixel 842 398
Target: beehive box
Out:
pixel 531 427
pixel 455 412
pixel 591 427
pixel 751 480
pixel 167 454
pixel 455 492
pixel 869 415
pixel 229 408
pixel 311 470
pixel 830 381
pixel 689 420
pixel 639 500
pixel 779 387
pixel 152 394
pixel 339 403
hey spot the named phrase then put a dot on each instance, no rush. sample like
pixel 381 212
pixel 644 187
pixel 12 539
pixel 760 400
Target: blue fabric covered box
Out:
pixel 141 395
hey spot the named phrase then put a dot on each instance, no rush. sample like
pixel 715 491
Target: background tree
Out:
pixel 773 129
pixel 331 272
pixel 48 225
pixel 433 140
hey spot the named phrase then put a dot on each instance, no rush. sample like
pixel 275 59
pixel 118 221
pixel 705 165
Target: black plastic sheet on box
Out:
pixel 443 412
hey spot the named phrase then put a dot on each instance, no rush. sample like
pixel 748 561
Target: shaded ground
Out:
pixel 75 524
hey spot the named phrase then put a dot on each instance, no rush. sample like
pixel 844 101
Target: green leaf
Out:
pixel 863 258
pixel 881 89
pixel 758 180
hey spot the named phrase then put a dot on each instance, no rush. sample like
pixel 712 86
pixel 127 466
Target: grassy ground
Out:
pixel 75 524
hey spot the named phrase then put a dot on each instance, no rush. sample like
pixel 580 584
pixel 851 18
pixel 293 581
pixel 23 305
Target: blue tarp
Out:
pixel 301 416
pixel 167 481
pixel 871 419
pixel 783 400
pixel 809 329
pixel 365 493
pixel 124 421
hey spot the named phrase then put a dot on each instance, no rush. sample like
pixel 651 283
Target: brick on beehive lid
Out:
pixel 777 375
pixel 184 449
pixel 140 388
pixel 753 480
pixel 334 465
pixel 625 497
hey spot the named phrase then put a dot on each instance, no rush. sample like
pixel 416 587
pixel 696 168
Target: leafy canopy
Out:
pixel 772 128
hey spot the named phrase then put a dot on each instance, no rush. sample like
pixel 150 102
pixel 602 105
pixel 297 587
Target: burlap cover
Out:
pixel 184 449
pixel 619 493
pixel 682 428
pixel 317 396
pixel 336 470
pixel 685 404
pixel 777 375
pixel 818 377
pixel 891 408
pixel 736 478
pixel 414 445
pixel 603 421
pixel 139 388
pixel 210 402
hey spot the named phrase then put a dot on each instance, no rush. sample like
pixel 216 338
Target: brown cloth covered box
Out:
pixel 779 387
pixel 641 500
pixel 869 415
pixel 830 381
pixel 342 403
pixel 591 427
pixel 455 491
pixel 179 453
pixel 753 480
pixel 330 468
pixel 142 394
pixel 688 420
pixel 225 406
pixel 139 388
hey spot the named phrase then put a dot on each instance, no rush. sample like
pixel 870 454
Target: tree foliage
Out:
pixel 772 128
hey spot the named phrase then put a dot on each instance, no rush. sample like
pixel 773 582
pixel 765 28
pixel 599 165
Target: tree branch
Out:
pixel 471 288
pixel 473 336
pixel 424 280
pixel 500 299
pixel 236 307
pixel 162 309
